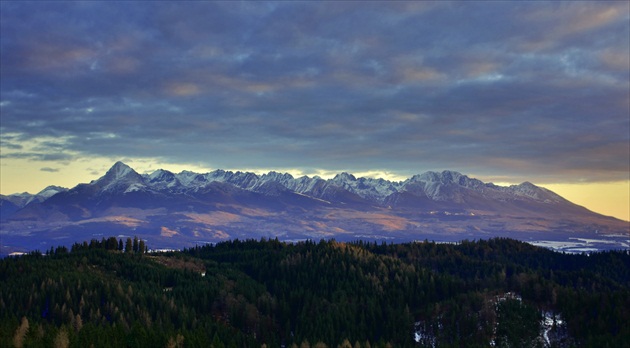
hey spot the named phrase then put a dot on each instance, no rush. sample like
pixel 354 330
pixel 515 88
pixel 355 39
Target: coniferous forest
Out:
pixel 501 292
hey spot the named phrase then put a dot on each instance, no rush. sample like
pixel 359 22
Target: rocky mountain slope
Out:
pixel 186 208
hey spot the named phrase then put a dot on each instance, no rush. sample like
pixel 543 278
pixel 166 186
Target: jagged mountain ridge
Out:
pixel 25 198
pixel 187 207
pixel 9 204
pixel 438 186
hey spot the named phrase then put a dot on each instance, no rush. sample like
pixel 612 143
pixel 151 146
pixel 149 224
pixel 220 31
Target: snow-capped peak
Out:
pixel 162 179
pixel 23 199
pixel 277 176
pixel 51 191
pixel 186 177
pixel 120 175
pixel 160 174
pixel 119 170
pixel 446 176
pixel 527 189
pixel 344 177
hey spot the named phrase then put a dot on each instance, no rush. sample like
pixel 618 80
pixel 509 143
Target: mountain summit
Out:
pixel 187 208
pixel 120 176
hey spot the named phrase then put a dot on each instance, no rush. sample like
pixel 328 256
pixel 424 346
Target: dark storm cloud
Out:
pixel 529 88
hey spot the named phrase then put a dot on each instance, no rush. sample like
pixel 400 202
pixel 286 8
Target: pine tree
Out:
pixel 20 333
pixel 345 344
pixel 62 340
pixel 78 323
pixel 128 245
pixel 177 342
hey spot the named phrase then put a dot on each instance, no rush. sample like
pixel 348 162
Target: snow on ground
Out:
pixel 579 245
pixel 551 323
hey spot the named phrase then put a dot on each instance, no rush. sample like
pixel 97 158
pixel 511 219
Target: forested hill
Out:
pixel 315 294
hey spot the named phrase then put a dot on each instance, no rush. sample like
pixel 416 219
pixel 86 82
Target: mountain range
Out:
pixel 172 210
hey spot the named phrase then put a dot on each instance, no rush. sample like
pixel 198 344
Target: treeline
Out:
pixel 253 293
pixel 131 246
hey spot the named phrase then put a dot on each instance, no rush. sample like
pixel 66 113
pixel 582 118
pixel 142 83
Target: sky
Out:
pixel 502 91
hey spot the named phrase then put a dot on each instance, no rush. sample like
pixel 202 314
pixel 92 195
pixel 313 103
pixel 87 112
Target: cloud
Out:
pixel 9 145
pixel 535 88
pixel 48 169
pixel 38 156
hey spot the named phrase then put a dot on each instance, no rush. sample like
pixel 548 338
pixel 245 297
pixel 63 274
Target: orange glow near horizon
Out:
pixel 608 198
